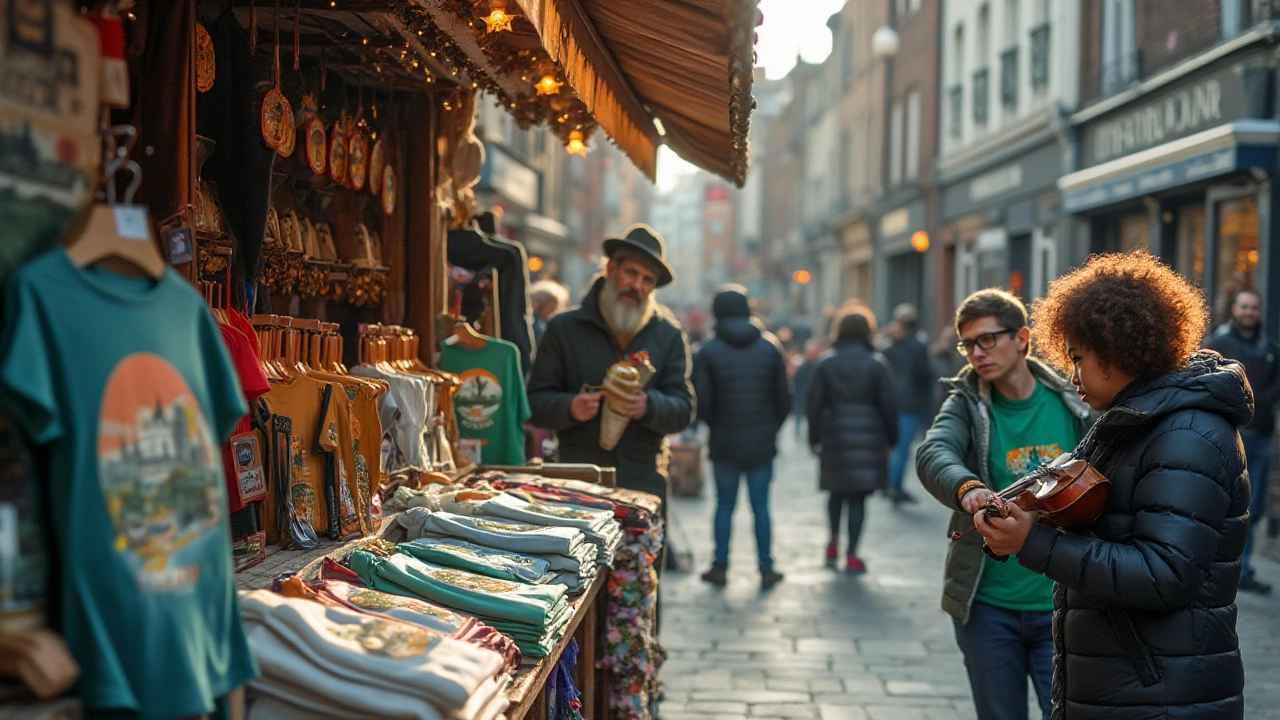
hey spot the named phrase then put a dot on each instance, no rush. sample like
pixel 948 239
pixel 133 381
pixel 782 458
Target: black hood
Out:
pixel 730 304
pixel 734 323
pixel 1208 382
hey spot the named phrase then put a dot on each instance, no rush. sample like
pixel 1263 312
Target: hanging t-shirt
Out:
pixel 491 405
pixel 129 383
pixel 314 427
pixel 1025 434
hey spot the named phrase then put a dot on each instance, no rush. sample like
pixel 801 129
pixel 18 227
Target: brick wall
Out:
pixel 1090 49
pixel 1168 31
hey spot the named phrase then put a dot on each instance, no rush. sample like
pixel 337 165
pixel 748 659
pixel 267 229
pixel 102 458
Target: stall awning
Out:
pixel 687 65
pixel 1238 145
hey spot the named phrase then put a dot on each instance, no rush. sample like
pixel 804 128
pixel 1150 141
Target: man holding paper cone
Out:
pixel 611 377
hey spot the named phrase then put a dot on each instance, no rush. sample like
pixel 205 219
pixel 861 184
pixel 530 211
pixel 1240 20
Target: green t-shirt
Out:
pixel 1025 434
pixel 491 405
pixel 129 385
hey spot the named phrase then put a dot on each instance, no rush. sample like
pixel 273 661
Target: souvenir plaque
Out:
pixel 338 156
pixel 275 113
pixel 388 190
pixel 317 147
pixel 377 162
pixel 206 60
pixel 290 139
pixel 357 162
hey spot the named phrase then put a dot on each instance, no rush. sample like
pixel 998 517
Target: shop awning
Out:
pixel 1238 145
pixel 687 65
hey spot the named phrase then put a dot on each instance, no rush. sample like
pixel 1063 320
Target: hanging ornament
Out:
pixel 277 115
pixel 206 60
pixel 357 161
pixel 388 191
pixel 377 162
pixel 338 155
pixel 548 85
pixel 498 20
pixel 577 144
pixel 317 147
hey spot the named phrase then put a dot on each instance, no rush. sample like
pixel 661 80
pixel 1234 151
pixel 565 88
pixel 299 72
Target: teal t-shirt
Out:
pixel 128 382
pixel 1025 434
pixel 491 405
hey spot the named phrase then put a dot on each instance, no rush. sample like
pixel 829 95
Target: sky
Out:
pixel 791 28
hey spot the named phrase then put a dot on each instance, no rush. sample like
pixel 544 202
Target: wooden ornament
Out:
pixel 317 147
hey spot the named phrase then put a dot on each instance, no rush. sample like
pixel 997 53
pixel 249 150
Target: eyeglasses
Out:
pixel 986 341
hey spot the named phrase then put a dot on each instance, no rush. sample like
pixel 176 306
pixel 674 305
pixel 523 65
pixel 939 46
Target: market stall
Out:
pixel 250 337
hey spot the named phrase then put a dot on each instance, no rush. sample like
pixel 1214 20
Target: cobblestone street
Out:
pixel 836 647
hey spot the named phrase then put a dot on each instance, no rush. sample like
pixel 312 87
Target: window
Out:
pixel 895 144
pixel 847 69
pixel 1237 252
pixel 984 37
pixel 958 61
pixel 846 164
pixel 1012 23
pixel 1119 52
pixel 912 159
pixel 1231 21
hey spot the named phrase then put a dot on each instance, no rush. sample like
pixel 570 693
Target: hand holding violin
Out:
pixel 1006 533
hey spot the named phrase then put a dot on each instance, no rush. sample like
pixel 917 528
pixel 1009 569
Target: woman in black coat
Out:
pixel 853 422
pixel 1144 606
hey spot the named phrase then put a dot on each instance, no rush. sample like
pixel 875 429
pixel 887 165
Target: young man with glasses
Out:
pixel 1006 415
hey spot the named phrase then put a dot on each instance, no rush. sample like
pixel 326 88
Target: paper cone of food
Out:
pixel 620 384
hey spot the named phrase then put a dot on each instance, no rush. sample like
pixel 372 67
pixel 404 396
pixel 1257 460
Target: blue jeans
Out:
pixel 727 479
pixel 1257 452
pixel 908 425
pixel 1001 648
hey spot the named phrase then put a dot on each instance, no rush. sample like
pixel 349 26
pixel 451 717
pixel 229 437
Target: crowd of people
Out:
pixel 1130 615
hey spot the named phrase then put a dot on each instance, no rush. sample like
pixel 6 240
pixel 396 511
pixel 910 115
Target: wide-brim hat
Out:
pixel 649 244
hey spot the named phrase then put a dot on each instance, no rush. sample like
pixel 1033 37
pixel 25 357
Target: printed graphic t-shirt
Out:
pixel 491 405
pixel 129 383
pixel 1025 434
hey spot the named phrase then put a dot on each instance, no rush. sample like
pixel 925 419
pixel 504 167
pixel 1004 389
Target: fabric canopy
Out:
pixel 687 64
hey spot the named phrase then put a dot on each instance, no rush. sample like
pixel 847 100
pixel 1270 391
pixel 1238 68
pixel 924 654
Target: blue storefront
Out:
pixel 1187 171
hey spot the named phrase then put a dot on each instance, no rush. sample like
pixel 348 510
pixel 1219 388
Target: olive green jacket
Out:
pixel 958 449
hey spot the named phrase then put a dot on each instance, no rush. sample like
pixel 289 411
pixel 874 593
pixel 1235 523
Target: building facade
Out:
pixel 1178 139
pixel 1009 75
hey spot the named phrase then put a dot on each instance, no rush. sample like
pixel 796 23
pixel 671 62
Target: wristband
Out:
pixel 966 487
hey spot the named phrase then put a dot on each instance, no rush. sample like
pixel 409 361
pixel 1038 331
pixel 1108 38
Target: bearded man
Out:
pixel 618 317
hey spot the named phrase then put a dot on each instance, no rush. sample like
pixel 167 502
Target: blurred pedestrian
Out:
pixel 805 366
pixel 1145 605
pixel 548 297
pixel 1007 415
pixel 1242 339
pixel 740 380
pixel 853 421
pixel 914 380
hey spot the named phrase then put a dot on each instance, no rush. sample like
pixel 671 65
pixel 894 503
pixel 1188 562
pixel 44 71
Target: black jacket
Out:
pixel 1261 359
pixel 853 418
pixel 741 383
pixel 1144 606
pixel 913 375
pixel 576 350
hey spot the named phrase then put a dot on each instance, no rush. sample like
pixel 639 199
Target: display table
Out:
pixel 527 692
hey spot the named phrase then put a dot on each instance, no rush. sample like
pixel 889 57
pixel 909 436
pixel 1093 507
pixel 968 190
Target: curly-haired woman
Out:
pixel 1144 606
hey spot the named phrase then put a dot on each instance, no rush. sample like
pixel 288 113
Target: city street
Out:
pixel 837 647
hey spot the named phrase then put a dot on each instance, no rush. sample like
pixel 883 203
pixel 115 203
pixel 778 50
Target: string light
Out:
pixel 497 20
pixel 576 145
pixel 548 85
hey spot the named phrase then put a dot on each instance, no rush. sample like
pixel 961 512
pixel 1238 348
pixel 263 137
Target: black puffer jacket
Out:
pixel 740 380
pixel 853 418
pixel 1145 614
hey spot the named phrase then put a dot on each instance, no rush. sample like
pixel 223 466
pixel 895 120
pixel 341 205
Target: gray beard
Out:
pixel 622 318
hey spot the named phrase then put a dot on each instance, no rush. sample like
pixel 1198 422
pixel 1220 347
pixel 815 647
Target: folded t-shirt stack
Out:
pixel 535 616
pixel 598 525
pixel 566 549
pixel 321 661
pixel 574 572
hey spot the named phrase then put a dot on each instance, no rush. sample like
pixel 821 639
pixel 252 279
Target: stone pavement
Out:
pixel 829 646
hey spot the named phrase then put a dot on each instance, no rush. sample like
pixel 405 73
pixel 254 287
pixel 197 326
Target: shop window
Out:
pixel 1135 232
pixel 913 136
pixel 1190 239
pixel 1237 251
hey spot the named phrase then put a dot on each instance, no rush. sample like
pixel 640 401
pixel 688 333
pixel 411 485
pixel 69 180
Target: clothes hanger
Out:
pixel 116 230
pixel 467 337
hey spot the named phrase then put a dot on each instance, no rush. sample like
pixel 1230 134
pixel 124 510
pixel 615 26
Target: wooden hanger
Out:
pixel 119 231
pixel 467 336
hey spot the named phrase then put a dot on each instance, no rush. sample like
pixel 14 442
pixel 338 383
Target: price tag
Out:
pixel 131 221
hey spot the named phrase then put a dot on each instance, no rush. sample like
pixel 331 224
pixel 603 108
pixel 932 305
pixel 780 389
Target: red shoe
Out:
pixel 854 565
pixel 832 553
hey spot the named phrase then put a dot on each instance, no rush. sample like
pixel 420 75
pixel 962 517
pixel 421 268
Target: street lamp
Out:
pixel 802 277
pixel 884 43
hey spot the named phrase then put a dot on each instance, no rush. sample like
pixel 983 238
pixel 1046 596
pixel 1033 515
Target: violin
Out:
pixel 1070 495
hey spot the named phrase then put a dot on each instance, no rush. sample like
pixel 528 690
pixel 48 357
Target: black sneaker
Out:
pixel 1254 585
pixel 769 578
pixel 717 575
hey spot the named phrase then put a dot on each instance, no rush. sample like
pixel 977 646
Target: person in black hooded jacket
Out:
pixel 740 380
pixel 1144 601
